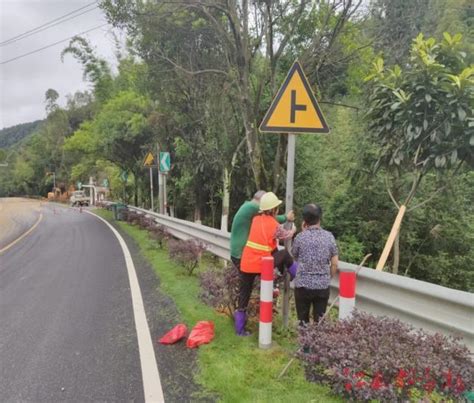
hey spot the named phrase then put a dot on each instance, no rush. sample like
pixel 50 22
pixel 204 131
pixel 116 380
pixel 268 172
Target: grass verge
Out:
pixel 231 367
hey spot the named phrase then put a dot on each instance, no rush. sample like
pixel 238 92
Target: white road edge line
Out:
pixel 23 235
pixel 150 375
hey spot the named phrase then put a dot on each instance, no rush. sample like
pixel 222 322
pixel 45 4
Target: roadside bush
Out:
pixel 220 289
pixel 160 234
pixel 186 253
pixel 146 222
pixel 133 217
pixel 369 357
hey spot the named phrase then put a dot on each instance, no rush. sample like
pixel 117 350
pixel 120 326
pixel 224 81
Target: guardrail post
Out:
pixel 347 287
pixel 266 303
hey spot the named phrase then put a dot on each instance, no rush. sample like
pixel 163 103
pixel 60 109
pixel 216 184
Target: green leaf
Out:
pixel 395 106
pixel 471 140
pixel 428 98
pixel 461 114
pixel 454 156
pixel 425 124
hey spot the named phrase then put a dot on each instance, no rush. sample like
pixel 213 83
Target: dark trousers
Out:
pixel 236 262
pixel 305 298
pixel 282 260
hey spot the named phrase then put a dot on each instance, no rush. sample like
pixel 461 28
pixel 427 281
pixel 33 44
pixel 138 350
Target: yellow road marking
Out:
pixel 23 235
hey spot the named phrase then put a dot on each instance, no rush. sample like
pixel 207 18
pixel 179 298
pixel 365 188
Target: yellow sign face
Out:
pixel 294 109
pixel 149 160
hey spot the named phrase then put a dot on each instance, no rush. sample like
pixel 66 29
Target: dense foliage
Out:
pixel 368 357
pixel 196 79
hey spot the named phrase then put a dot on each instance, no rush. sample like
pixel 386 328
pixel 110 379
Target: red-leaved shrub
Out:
pixel 146 222
pixel 186 253
pixel 369 357
pixel 133 217
pixel 220 289
pixel 159 233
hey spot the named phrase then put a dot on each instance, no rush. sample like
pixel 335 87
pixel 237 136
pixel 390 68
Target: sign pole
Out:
pixel 165 196
pixel 293 110
pixel 290 174
pixel 160 192
pixel 151 187
pixel 159 177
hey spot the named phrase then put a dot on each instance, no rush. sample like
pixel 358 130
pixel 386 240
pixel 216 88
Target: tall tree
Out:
pixel 119 133
pixel 249 42
pixel 421 117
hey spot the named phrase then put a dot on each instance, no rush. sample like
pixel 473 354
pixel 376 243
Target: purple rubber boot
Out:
pixel 292 270
pixel 240 318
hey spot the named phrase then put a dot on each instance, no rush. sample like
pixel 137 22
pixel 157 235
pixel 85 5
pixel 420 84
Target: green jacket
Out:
pixel 241 227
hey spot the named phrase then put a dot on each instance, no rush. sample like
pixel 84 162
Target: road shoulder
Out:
pixel 177 364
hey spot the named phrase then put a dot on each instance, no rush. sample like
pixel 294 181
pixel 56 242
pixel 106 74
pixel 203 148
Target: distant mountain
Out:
pixel 14 134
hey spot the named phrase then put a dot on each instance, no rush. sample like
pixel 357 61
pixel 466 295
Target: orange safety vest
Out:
pixel 261 242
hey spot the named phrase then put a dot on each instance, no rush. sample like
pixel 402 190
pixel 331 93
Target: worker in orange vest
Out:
pixel 265 232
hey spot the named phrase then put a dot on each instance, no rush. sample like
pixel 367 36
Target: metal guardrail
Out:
pixel 421 304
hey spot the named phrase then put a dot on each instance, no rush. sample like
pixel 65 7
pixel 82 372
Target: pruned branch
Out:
pixel 433 195
pixel 387 185
pixel 194 72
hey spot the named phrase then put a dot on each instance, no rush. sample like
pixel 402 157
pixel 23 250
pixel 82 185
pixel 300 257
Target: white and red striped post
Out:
pixel 347 287
pixel 266 303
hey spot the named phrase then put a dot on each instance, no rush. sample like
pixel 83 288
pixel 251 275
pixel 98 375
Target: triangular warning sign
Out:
pixel 149 160
pixel 294 109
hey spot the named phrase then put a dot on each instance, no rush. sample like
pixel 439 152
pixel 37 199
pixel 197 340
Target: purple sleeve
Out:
pixel 296 248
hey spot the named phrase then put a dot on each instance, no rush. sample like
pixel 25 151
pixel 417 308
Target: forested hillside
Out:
pixel 395 80
pixel 10 136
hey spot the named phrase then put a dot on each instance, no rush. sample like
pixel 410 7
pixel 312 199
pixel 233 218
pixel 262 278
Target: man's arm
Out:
pixel 282 218
pixel 282 233
pixel 334 264
pixel 334 256
pixel 295 248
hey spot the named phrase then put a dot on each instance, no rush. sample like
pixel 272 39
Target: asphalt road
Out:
pixel 16 216
pixel 67 327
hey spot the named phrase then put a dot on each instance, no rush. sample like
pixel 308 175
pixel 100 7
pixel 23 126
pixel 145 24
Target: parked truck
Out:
pixel 79 198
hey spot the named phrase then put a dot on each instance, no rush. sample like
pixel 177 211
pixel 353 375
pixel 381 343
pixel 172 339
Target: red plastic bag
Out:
pixel 174 335
pixel 202 333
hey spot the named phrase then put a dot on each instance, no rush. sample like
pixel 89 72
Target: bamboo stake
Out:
pixel 391 238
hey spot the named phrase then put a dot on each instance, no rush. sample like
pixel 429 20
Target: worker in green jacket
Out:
pixel 240 229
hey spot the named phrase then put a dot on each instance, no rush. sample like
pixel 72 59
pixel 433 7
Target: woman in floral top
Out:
pixel 315 250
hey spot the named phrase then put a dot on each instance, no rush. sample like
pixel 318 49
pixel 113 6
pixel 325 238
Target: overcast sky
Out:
pixel 24 82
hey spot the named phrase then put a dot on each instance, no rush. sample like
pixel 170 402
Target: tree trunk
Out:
pixel 225 201
pixel 135 195
pixel 396 254
pixel 197 215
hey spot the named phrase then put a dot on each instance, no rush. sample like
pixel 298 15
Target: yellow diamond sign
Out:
pixel 294 109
